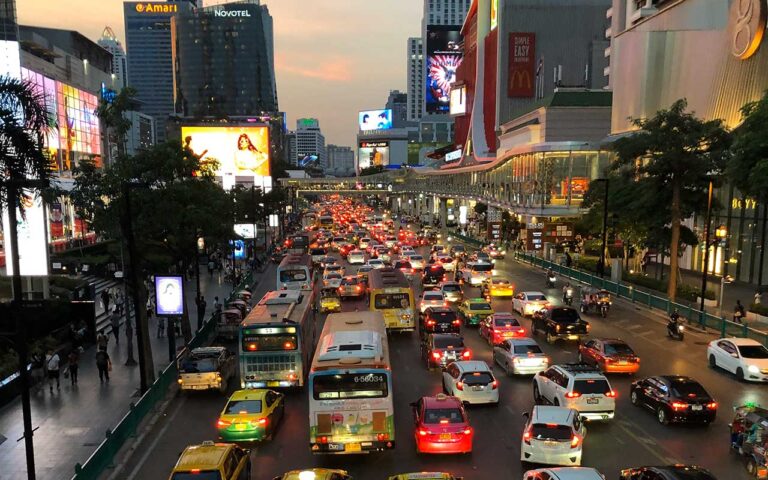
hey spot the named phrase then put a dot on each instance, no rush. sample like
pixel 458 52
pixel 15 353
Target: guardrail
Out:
pixel 465 239
pixel 726 327
pixel 104 456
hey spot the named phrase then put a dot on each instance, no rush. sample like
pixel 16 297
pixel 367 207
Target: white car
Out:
pixel 452 291
pixel 364 242
pixel 376 263
pixel 553 436
pixel 448 263
pixel 356 257
pixel 475 273
pixel 390 241
pixel 417 261
pixel 332 280
pixel 520 356
pixel 407 250
pixel 744 357
pixel 471 381
pixel 526 303
pixel 563 473
pixel 578 386
pixel 431 298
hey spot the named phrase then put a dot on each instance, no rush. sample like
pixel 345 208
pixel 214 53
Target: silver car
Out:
pixel 451 291
pixel 520 356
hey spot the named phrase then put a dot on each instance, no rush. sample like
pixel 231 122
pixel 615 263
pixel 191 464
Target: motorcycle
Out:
pixel 568 296
pixel 551 280
pixel 675 330
pixel 604 306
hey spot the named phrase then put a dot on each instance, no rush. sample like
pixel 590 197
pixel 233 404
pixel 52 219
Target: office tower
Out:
pixel 398 103
pixel 111 44
pixel 415 78
pixel 310 143
pixel 341 160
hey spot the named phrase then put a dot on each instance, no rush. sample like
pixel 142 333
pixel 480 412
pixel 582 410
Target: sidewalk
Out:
pixel 72 421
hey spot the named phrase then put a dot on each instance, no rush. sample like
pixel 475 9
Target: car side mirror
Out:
pixel 735 355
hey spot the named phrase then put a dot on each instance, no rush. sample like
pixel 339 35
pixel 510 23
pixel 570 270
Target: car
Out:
pixel 458 251
pixel 376 263
pixel 499 327
pixel 474 310
pixel 564 473
pixel 337 242
pixel 674 399
pixel 560 323
pixel 417 261
pixel 448 263
pixel 471 381
pixel 440 349
pixel 495 252
pixel 407 250
pixel 432 298
pixel 425 476
pixel 356 257
pixel 526 303
pixel 251 415
pixel 332 280
pixel 390 241
pixel 318 254
pixel 352 286
pixel 315 474
pixel 364 242
pixel 433 275
pixel 226 461
pixel 436 250
pixel 475 273
pixel 345 248
pixel 498 287
pixel 327 261
pixel 671 472
pixel 744 357
pixel 553 436
pixel 330 301
pixel 334 268
pixel 576 385
pixel 404 266
pixel 439 320
pixel 481 256
pixel 441 425
pixel 520 356
pixel 611 355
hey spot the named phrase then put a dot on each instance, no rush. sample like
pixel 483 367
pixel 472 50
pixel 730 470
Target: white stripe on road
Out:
pixel 645 442
pixel 151 448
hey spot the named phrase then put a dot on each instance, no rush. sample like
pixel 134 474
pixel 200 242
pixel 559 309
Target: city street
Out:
pixel 634 438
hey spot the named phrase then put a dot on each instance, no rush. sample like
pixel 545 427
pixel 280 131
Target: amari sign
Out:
pixel 147 7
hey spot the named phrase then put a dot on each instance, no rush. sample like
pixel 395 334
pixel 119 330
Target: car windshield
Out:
pixel 618 349
pixel 198 365
pixel 685 389
pixel 586 387
pixel 317 251
pixel 433 296
pixel 479 306
pixel 449 342
pixel 527 349
pixel 549 431
pixel 536 298
pixel 753 351
pixel 243 407
pixel 506 322
pixel 446 259
pixel 443 415
pixel 451 288
pixel 443 317
pixel 564 315
pixel 349 281
pixel 332 276
pixel 477 378
pixel 501 282
pixel 458 248
pixel 197 475
pixel 403 264
pixel 416 258
pixel 482 267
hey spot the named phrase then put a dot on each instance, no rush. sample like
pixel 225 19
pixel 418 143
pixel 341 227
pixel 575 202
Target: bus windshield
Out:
pixel 391 300
pixel 293 275
pixel 350 385
pixel 269 340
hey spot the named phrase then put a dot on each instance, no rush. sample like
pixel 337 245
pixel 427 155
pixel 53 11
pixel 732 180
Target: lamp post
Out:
pixel 604 235
pixel 724 280
pixel 199 250
pixel 720 233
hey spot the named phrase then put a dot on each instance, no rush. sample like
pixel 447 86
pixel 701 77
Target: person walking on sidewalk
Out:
pixel 738 312
pixel 119 301
pixel 758 297
pixel 102 340
pixel 105 298
pixel 52 364
pixel 216 306
pixel 201 306
pixel 115 321
pixel 73 360
pixel 104 364
pixel 211 267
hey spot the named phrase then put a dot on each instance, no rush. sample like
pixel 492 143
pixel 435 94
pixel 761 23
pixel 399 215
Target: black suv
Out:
pixel 433 274
pixel 439 320
pixel 672 472
pixel 440 349
pixel 674 399
pixel 560 323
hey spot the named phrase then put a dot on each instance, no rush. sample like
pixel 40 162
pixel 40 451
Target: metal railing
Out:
pixel 103 457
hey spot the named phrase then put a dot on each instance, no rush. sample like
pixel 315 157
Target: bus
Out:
pixel 298 243
pixel 351 407
pixel 276 340
pixel 295 272
pixel 392 295
pixel 325 221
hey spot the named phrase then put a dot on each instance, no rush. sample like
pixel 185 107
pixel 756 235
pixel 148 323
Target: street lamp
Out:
pixel 724 280
pixel 604 236
pixel 721 233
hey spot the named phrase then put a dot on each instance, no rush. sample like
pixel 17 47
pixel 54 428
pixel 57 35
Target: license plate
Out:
pixel 445 436
pixel 273 383
pixel 593 401
pixel 697 408
pixel 240 426
pixel 573 337
pixel 353 447
pixel 338 447
pixel 477 389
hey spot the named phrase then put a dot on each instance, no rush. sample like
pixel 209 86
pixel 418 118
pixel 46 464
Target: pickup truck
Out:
pixel 206 368
pixel 560 323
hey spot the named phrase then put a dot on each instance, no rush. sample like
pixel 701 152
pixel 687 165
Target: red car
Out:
pixel 441 425
pixel 499 327
pixel 610 355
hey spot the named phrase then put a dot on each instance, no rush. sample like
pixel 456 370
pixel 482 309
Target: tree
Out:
pixel 112 113
pixel 673 157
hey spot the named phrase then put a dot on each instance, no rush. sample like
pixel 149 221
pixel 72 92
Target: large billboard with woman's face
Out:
pixel 240 151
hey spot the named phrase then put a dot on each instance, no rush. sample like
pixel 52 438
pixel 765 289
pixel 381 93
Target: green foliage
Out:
pixel 759 309
pixel 748 167
pixel 684 291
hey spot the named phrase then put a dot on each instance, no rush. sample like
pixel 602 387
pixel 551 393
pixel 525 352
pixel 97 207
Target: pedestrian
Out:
pixel 738 312
pixel 104 364
pixel 201 306
pixel 115 320
pixel 38 370
pixel 119 301
pixel 102 340
pixel 568 260
pixel 211 267
pixel 216 305
pixel 160 327
pixel 73 360
pixel 105 298
pixel 52 364
pixel 758 297
pixel 150 307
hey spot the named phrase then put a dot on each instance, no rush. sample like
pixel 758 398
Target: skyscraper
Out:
pixel 150 58
pixel 415 78
pixel 398 103
pixel 310 141
pixel 111 44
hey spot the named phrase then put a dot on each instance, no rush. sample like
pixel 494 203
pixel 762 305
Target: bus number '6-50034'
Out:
pixel 370 378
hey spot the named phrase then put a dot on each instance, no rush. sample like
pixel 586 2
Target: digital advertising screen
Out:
pixel 444 56
pixel 169 295
pixel 32 238
pixel 375 120
pixel 239 247
pixel 240 151
pixel 373 154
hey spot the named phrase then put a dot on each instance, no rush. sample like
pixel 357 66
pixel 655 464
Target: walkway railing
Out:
pixel 656 302
pixel 103 457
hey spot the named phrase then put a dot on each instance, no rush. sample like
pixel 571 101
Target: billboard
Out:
pixel 522 65
pixel 169 295
pixel 459 100
pixel 444 56
pixel 240 151
pixel 375 120
pixel 372 154
pixel 32 238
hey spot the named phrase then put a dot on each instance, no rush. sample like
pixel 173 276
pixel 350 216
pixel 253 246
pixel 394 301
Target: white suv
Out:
pixel 563 473
pixel 578 386
pixel 553 436
pixel 471 381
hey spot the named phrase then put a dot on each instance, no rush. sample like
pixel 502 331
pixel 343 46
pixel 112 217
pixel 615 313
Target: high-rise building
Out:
pixel 110 43
pixel 341 160
pixel 310 142
pixel 142 133
pixel 150 57
pixel 290 155
pixel 223 61
pixel 398 103
pixel 415 78
pixel 445 12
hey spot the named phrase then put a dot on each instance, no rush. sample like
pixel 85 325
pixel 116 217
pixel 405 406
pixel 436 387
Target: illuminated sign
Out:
pixel 452 156
pixel 494 14
pixel 463 214
pixel 32 240
pixel 146 7
pixel 169 295
pixel 459 100
pixel 246 230
pixel 746 27
pixel 522 48
pixel 239 151
pixel 375 120
pixel 232 13
pixel 748 203
pixel 444 56
pixel 373 154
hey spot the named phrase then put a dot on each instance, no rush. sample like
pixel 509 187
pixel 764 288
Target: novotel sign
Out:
pixel 145 7
pixel 232 13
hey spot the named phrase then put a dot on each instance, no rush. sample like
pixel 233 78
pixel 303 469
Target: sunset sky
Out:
pixel 332 57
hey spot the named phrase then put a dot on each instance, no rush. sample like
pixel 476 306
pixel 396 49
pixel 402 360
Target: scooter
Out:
pixel 675 330
pixel 551 280
pixel 568 296
pixel 604 309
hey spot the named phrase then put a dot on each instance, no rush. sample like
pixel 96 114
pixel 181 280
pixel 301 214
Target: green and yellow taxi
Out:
pixel 251 415
pixel 498 287
pixel 474 310
pixel 330 301
pixel 425 476
pixel 315 474
pixel 213 461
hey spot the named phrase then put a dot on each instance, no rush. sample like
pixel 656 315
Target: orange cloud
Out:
pixel 334 69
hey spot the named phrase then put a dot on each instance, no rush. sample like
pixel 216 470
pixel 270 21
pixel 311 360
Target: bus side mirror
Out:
pixel 526 414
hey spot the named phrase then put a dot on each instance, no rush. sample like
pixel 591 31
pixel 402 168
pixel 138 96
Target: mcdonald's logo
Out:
pixel 520 79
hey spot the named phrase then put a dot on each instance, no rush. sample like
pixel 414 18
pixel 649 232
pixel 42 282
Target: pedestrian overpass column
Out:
pixel 443 215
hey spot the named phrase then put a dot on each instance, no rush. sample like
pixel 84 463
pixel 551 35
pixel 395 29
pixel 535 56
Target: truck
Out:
pixel 206 368
pixel 560 323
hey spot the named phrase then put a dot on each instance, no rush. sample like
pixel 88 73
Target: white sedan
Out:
pixel 746 358
pixel 564 473
pixel 376 263
pixel 417 261
pixel 356 257
pixel 448 263
pixel 471 381
pixel 526 303
pixel 332 280
pixel 432 298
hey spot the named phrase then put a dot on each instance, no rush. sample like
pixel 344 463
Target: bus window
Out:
pixel 293 275
pixel 350 385
pixel 269 340
pixel 392 300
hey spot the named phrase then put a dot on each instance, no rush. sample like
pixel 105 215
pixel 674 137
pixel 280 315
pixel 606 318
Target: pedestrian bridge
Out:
pixel 368 185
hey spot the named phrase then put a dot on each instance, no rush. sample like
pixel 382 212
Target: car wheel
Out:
pixel 634 398
pixel 507 370
pixel 712 361
pixel 740 374
pixel 536 395
pixel 661 416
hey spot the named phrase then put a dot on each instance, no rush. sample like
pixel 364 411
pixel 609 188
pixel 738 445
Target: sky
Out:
pixel 333 58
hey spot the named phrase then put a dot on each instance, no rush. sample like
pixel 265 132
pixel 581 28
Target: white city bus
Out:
pixel 295 272
pixel 350 386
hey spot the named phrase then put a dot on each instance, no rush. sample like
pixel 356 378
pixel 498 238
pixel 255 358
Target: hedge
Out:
pixel 684 291
pixel 759 309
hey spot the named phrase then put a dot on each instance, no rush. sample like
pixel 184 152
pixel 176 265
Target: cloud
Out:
pixel 333 69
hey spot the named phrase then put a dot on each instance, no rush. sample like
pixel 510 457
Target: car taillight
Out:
pixel 572 395
pixel 610 394
pixel 467 354
pixel 589 327
pixel 521 331
pixel 457 322
pixel 679 406
pixel 341 289
pixel 436 355
pixel 557 328
pixel 382 436
pixel 527 437
pixel 322 439
pixel 575 440
pixel 460 386
pixel 468 431
pixel 495 384
pixel 430 323
pixel 223 423
pixel 261 422
pixel 712 406
pixel 423 432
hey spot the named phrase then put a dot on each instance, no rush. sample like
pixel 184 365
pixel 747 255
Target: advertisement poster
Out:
pixel 240 151
pixel 522 65
pixel 444 56
pixel 246 230
pixel 169 295
pixel 32 238
pixel 57 221
pixel 375 120
pixel 239 247
pixel 373 154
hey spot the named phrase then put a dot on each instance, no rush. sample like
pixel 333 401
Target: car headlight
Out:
pixel 753 369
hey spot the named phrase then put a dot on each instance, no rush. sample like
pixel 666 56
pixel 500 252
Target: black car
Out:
pixel 560 323
pixel 440 349
pixel 439 320
pixel 433 274
pixel 674 399
pixel 672 472
pixel 403 265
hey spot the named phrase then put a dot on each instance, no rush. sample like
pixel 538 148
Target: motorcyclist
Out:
pixel 567 291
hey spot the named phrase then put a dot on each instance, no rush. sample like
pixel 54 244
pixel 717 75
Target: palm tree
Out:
pixel 24 169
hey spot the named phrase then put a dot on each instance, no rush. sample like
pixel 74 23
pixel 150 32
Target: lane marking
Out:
pixel 645 442
pixel 151 447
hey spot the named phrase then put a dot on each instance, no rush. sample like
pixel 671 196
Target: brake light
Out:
pixel 460 386
pixel 262 422
pixel 610 394
pixel 322 439
pixel 422 432
pixel 436 355
pixel 382 436
pixel 679 406
pixel 457 322
pixel 252 347
pixel 572 395
pixel 430 323
pixel 521 331
pixel 712 406
pixel 495 384
pixel 468 431
pixel 575 440
pixel 223 423
pixel 288 346
pixel 527 436
pixel 467 354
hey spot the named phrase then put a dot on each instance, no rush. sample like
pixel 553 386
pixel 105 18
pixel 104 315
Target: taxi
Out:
pixel 251 415
pixel 315 474
pixel 330 301
pixel 442 425
pixel 498 287
pixel 474 310
pixel 225 461
pixel 425 476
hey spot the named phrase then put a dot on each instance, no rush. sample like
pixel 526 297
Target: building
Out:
pixel 223 61
pixel 150 57
pixel 290 157
pixel 142 133
pixel 398 103
pixel 310 143
pixel 341 160
pixel 110 43
pixel 445 12
pixel 415 71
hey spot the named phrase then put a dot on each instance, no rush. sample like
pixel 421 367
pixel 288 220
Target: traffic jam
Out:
pixel 376 320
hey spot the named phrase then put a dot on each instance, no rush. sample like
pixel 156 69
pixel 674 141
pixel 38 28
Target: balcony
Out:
pixel 608 33
pixel 642 13
pixel 609 13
